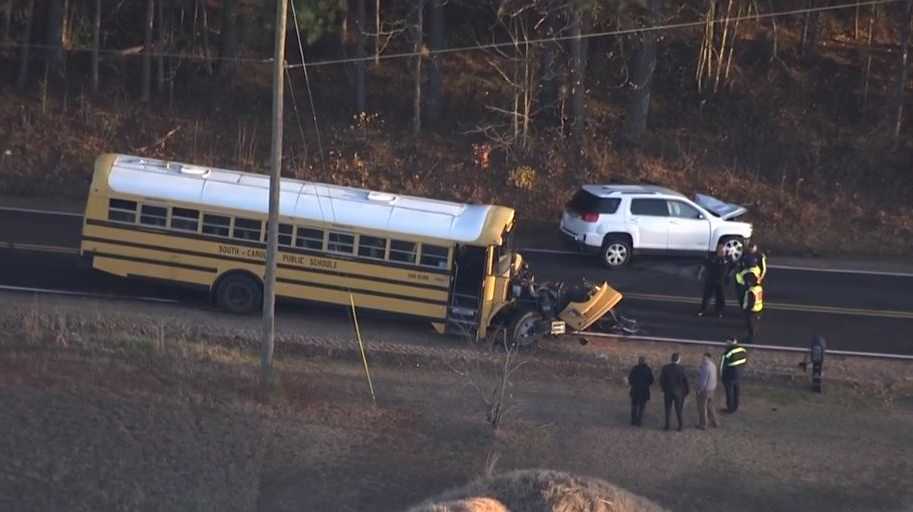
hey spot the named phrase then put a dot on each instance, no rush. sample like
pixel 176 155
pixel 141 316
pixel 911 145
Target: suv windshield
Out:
pixel 584 201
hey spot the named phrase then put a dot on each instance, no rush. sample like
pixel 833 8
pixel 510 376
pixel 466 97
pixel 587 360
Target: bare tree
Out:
pixel 160 46
pixel 906 20
pixel 420 50
pixel 377 34
pixel 808 41
pixel 147 51
pixel 435 84
pixel 518 67
pixel 359 30
pixel 643 64
pixel 718 42
pixel 868 57
pixel 230 45
pixel 7 19
pixel 495 388
pixel 578 79
pixel 96 43
pixel 55 27
pixel 24 56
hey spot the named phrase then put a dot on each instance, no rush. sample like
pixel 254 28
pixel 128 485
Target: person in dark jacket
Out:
pixel 714 271
pixel 734 358
pixel 640 379
pixel 674 384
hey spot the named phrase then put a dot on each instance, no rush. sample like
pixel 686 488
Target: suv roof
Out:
pixel 611 190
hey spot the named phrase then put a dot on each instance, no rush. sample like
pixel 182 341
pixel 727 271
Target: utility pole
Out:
pixel 272 230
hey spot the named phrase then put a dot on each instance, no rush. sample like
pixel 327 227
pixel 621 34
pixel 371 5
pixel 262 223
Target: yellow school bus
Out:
pixel 443 262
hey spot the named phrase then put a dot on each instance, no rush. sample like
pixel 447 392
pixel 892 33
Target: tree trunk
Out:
pixel 96 44
pixel 578 78
pixel 435 81
pixel 377 27
pixel 868 58
pixel 229 67
pixel 643 64
pixel 359 31
pixel 160 46
pixel 147 51
pixel 419 45
pixel 809 41
pixel 907 20
pixel 7 20
pixel 54 55
pixel 26 41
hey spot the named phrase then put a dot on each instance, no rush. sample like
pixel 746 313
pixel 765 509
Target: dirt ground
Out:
pixel 105 406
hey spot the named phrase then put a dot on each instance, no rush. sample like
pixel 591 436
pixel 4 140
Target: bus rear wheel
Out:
pixel 239 294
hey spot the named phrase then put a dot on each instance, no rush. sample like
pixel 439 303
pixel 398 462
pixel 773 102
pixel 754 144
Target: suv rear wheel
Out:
pixel 616 252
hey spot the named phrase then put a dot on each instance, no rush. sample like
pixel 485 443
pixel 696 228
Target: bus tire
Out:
pixel 239 293
pixel 522 330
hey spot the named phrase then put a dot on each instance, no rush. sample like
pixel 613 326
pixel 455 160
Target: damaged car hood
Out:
pixel 725 211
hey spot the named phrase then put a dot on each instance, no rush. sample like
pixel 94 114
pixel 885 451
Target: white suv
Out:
pixel 617 221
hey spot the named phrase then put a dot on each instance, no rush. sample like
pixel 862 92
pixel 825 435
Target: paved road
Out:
pixel 860 312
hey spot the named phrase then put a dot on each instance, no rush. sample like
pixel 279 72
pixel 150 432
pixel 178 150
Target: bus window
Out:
pixel 434 256
pixel 372 247
pixel 308 238
pixel 341 242
pixel 247 229
pixel 153 215
pixel 184 219
pixel 216 224
pixel 121 210
pixel 285 234
pixel 403 252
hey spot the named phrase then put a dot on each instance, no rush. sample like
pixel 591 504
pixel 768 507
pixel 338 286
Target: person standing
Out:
pixel 674 384
pixel 706 387
pixel 761 260
pixel 714 270
pixel 640 379
pixel 816 353
pixel 734 358
pixel 746 266
pixel 752 306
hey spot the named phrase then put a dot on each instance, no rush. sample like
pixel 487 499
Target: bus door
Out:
pixel 469 276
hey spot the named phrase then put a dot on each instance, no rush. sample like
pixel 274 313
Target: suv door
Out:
pixel 689 230
pixel 650 218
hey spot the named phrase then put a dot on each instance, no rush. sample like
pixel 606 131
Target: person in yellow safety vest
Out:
pixel 761 260
pixel 748 265
pixel 734 358
pixel 752 305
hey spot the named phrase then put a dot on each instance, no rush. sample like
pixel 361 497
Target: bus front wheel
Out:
pixel 239 293
pixel 524 331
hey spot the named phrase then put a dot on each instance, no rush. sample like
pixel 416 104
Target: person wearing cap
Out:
pixel 761 261
pixel 639 379
pixel 734 358
pixel 714 271
pixel 752 306
pixel 674 384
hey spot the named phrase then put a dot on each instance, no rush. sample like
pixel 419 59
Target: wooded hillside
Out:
pixel 795 109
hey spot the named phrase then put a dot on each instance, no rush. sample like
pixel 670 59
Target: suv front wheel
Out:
pixel 733 247
pixel 616 252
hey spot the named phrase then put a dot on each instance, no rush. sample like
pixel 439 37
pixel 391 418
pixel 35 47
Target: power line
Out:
pixel 595 35
pixel 480 47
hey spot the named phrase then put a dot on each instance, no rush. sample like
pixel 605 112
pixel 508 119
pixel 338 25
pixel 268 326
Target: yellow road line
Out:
pixel 58 249
pixel 882 313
